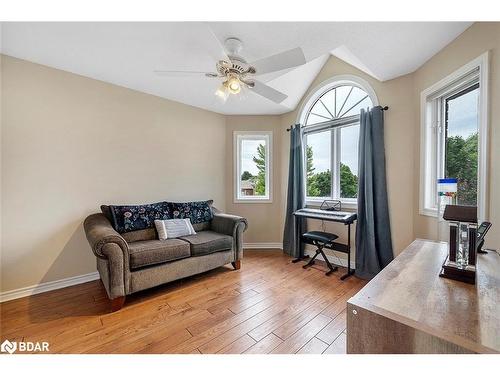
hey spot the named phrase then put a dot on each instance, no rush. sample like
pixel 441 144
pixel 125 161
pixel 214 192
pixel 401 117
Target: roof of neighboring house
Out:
pixel 247 184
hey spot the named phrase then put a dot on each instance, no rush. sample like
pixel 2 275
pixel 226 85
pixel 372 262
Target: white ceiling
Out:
pixel 126 54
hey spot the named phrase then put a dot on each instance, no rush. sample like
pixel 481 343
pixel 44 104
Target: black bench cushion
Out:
pixel 316 235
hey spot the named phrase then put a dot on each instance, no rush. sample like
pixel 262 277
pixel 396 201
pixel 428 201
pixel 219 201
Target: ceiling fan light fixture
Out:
pixel 222 92
pixel 234 85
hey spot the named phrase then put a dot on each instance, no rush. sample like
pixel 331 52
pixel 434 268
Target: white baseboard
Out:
pixel 333 260
pixel 263 245
pixel 48 286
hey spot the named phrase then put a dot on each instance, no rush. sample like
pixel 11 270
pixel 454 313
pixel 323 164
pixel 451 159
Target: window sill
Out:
pixel 252 200
pixel 431 212
pixel 346 205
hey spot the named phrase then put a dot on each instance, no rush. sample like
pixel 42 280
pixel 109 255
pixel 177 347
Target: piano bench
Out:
pixel 320 240
pixel 316 235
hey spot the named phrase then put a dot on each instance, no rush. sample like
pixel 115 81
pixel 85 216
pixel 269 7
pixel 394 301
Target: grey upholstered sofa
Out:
pixel 138 260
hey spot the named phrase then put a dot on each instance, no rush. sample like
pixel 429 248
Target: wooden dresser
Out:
pixel 408 308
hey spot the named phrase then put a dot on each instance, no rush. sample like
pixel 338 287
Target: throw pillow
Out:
pixel 135 217
pixel 198 212
pixel 173 228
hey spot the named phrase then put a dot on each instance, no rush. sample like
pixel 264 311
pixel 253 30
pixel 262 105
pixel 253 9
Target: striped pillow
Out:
pixel 174 228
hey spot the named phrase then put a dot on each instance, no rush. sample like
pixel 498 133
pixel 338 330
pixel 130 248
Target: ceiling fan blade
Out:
pixel 217 50
pixel 280 61
pixel 184 73
pixel 268 92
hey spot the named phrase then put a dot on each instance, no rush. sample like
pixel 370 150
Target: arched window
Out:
pixel 331 118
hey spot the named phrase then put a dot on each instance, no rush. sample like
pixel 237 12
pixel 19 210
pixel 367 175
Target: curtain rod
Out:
pixel 385 108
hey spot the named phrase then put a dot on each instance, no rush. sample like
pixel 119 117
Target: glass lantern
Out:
pixel 460 264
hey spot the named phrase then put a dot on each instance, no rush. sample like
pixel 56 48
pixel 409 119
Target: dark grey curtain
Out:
pixel 373 231
pixel 295 196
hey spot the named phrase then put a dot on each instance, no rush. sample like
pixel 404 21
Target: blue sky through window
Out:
pixel 320 143
pixel 248 151
pixel 462 115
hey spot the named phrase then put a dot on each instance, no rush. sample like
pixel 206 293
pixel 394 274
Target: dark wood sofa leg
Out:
pixel 117 303
pixel 237 264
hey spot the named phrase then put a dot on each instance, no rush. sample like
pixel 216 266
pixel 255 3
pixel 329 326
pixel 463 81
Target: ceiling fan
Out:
pixel 237 74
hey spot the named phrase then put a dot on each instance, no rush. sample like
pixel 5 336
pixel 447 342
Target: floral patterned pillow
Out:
pixel 128 218
pixel 198 212
pixel 136 217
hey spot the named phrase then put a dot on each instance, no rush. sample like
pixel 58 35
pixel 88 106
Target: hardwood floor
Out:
pixel 270 305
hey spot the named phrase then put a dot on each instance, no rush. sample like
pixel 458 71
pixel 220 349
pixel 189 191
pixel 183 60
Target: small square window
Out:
pixel 253 161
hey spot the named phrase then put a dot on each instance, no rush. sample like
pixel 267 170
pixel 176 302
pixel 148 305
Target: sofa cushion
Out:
pixel 198 227
pixel 141 235
pixel 197 212
pixel 128 218
pixel 208 242
pixel 147 253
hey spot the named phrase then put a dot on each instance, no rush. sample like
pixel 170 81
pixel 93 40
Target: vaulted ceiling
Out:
pixel 126 54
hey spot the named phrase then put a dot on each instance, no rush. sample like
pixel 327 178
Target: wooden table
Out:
pixel 408 308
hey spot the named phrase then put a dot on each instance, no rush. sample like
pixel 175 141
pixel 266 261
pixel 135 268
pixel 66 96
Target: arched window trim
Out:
pixel 329 84
pixel 306 107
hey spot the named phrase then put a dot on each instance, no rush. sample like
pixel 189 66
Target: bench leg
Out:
pixel 236 264
pixel 117 303
pixel 311 261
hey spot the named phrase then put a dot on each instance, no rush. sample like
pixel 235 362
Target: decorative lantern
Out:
pixel 460 264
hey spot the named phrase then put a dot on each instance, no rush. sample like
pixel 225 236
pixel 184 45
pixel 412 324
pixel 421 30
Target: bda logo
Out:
pixel 24 346
pixel 9 347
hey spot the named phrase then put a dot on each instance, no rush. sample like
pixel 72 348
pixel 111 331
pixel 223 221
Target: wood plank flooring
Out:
pixel 270 305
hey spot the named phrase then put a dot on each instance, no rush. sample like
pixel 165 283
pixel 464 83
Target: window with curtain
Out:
pixel 331 137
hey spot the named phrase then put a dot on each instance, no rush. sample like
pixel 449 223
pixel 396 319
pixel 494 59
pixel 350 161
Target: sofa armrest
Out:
pixel 233 226
pixel 99 232
pixel 227 224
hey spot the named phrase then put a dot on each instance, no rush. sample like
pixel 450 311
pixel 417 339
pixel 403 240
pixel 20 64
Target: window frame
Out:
pixel 334 126
pixel 335 151
pixel 238 137
pixel 432 133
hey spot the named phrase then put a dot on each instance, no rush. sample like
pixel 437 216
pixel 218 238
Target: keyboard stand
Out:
pixel 332 216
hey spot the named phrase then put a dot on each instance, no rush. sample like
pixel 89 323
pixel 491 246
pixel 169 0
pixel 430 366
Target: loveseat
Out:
pixel 131 258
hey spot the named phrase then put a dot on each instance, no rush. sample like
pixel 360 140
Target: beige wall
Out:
pixel 264 219
pixel 70 143
pixel 476 40
pixel 399 143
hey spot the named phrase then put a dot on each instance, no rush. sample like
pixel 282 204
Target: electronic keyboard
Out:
pixel 338 216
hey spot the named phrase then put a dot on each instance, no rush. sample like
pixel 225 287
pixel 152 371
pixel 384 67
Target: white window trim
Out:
pixel 427 151
pixel 312 97
pixel 238 136
pixel 329 84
